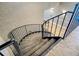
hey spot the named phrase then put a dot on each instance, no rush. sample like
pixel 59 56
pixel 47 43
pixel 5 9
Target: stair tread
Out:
pixel 36 47
pixel 44 47
pixel 31 37
pixel 31 40
pixel 27 44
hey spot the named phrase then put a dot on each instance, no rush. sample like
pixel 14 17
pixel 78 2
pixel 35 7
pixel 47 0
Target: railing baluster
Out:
pixel 13 36
pixel 45 27
pixel 62 24
pixel 56 25
pixel 20 34
pixel 14 33
pixel 48 26
pixel 42 31
pixel 16 45
pixel 25 29
pixel 51 27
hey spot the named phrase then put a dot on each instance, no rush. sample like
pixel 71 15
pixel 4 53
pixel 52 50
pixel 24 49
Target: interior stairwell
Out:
pixel 38 39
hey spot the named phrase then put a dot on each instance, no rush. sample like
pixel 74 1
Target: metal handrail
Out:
pixel 27 32
pixel 8 44
pixel 57 16
pixel 47 22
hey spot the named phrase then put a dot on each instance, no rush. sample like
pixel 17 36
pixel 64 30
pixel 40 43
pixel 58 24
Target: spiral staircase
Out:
pixel 39 39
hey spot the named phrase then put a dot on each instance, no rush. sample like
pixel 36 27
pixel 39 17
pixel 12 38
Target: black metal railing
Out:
pixel 8 44
pixel 19 33
pixel 56 26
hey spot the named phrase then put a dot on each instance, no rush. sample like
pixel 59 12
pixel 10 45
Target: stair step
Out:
pixel 29 47
pixel 26 49
pixel 30 43
pixel 31 37
pixel 55 43
pixel 43 48
pixel 36 47
pixel 31 40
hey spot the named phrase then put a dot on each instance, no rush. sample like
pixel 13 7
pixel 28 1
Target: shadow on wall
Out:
pixel 75 20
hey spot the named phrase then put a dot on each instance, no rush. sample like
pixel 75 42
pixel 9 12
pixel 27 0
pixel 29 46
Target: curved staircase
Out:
pixel 38 39
pixel 35 45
